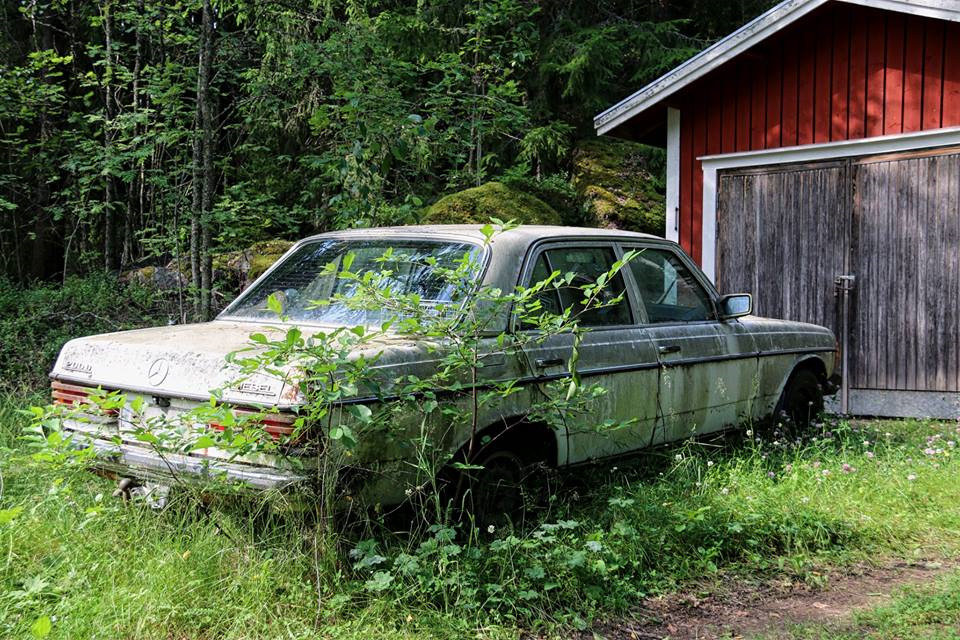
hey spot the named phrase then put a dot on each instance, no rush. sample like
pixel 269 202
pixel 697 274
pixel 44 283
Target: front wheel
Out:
pixel 802 399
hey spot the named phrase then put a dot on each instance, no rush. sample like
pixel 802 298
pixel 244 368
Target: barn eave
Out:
pixel 776 19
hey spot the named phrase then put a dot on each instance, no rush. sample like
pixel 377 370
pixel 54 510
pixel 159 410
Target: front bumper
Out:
pixel 146 464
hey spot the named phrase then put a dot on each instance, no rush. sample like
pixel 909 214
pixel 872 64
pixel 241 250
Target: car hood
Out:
pixel 185 361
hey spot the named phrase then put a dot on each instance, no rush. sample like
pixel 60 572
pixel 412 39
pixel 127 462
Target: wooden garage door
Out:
pixel 782 236
pixel 906 254
pixel 785 232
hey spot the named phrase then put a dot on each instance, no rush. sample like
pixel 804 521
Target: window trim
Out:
pixel 699 277
pixel 547 244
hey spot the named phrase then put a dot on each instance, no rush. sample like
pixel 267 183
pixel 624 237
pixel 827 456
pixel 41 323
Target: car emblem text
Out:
pixel 79 367
pixel 158 371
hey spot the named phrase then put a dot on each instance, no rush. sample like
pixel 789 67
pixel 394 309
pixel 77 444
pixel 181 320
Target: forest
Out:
pixel 140 132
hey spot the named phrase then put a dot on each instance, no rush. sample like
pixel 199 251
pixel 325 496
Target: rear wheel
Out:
pixel 802 399
pixel 494 492
pixel 498 493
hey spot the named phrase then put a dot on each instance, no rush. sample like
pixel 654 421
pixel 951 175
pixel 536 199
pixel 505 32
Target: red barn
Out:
pixel 814 161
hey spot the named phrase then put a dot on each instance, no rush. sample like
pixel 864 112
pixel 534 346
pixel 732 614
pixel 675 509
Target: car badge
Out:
pixel 79 367
pixel 158 371
pixel 255 389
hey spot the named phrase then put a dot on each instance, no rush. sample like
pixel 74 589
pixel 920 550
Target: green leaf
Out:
pixel 462 466
pixel 361 412
pixel 380 581
pixel 274 304
pixel 41 627
pixel 9 515
pixel 146 436
pixel 203 442
pixel 487 230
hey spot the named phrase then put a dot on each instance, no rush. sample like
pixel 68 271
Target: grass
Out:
pixel 76 563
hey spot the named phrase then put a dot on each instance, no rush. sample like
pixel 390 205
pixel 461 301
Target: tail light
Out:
pixel 77 396
pixel 276 425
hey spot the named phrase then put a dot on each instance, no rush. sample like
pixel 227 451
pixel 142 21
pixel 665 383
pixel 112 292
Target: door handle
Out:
pixel 669 348
pixel 543 363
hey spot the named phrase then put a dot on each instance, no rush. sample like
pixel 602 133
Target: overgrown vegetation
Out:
pixel 36 322
pixel 93 567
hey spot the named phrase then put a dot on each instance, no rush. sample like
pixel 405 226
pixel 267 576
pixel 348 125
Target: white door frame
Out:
pixel 672 221
pixel 791 155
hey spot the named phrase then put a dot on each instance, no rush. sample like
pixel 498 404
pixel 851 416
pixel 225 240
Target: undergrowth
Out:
pixel 78 563
pixel 36 321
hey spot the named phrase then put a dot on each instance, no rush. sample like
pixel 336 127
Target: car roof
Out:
pixel 520 235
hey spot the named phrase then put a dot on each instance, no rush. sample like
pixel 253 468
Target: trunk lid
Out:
pixel 183 361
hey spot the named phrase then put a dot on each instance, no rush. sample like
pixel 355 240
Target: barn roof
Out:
pixel 761 28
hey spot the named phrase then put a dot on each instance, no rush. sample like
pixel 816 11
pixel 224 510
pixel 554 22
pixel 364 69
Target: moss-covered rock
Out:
pixel 240 268
pixel 491 200
pixel 157 278
pixel 615 178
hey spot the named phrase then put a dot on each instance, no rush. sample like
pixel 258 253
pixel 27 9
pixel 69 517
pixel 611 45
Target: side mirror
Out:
pixel 736 305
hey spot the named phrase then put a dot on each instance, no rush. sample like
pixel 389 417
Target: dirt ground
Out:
pixel 740 609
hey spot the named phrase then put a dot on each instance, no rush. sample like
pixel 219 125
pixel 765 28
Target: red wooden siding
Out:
pixel 844 72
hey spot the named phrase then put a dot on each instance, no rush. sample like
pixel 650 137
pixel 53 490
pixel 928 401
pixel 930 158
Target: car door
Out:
pixel 614 354
pixel 708 367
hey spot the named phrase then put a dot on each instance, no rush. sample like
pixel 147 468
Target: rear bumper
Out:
pixel 146 464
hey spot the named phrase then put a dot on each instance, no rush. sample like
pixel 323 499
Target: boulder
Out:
pixel 159 278
pixel 614 176
pixel 491 200
pixel 237 269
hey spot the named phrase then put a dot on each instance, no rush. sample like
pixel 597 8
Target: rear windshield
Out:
pixel 310 294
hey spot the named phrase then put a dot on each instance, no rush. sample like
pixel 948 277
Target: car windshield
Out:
pixel 311 291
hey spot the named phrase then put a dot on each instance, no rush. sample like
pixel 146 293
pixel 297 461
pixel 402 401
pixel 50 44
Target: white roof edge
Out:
pixel 755 31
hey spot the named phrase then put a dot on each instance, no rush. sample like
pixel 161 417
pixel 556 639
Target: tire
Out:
pixel 495 494
pixel 802 399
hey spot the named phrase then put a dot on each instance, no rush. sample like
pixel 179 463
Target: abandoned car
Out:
pixel 676 358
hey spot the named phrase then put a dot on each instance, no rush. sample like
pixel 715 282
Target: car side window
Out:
pixel 586 264
pixel 668 290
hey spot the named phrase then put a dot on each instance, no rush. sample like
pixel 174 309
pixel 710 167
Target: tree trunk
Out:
pixel 135 191
pixel 109 222
pixel 207 170
pixel 195 211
